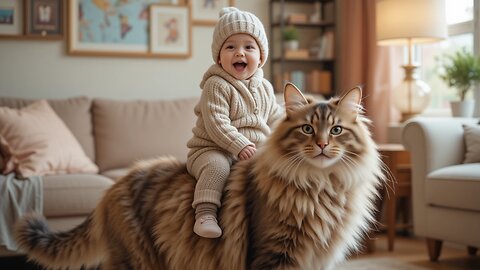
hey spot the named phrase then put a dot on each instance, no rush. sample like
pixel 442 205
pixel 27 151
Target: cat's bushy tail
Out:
pixel 81 246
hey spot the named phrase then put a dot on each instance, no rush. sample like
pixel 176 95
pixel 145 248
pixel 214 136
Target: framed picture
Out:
pixel 11 18
pixel 110 28
pixel 170 31
pixel 205 12
pixel 44 18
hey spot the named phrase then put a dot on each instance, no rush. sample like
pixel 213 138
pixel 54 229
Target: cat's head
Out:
pixel 322 134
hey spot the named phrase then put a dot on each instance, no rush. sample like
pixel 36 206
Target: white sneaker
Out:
pixel 207 226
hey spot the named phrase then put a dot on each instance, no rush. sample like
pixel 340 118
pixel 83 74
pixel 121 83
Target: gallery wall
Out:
pixel 42 69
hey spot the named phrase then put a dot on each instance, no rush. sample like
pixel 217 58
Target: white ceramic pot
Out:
pixel 462 108
pixel 291 44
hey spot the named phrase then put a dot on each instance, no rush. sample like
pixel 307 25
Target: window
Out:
pixel 461 18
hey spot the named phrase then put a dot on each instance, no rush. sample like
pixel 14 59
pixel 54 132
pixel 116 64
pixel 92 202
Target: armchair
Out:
pixel 445 191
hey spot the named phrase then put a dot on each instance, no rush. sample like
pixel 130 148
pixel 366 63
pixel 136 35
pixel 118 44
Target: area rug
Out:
pixel 377 264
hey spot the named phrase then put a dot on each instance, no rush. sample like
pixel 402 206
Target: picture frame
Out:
pixel 44 18
pixel 11 18
pixel 205 12
pixel 170 31
pixel 121 30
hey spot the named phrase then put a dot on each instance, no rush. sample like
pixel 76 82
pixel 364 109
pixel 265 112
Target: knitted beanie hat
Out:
pixel 234 21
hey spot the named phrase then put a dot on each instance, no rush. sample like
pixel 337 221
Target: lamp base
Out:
pixel 412 96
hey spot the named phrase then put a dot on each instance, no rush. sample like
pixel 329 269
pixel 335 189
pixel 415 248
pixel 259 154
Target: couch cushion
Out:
pixel 455 186
pixel 73 194
pixel 126 131
pixel 41 143
pixel 116 174
pixel 74 112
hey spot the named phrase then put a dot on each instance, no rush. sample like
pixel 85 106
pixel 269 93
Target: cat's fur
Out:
pixel 288 208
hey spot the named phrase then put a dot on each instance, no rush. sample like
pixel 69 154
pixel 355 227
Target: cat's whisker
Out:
pixel 389 179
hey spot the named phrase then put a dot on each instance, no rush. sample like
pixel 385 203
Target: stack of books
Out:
pixel 314 81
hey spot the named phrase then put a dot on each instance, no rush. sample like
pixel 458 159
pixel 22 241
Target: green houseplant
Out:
pixel 290 37
pixel 461 71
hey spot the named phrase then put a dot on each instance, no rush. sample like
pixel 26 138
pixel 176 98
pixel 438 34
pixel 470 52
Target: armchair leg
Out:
pixel 472 251
pixel 434 249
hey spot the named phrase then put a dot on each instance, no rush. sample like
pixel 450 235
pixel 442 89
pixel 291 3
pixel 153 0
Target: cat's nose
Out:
pixel 322 144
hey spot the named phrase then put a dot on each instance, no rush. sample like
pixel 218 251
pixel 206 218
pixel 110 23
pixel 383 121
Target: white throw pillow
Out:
pixel 472 143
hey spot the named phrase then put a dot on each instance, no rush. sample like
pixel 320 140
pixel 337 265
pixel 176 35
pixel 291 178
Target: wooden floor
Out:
pixel 414 251
pixel 407 249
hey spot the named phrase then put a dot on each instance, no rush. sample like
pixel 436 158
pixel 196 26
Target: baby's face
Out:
pixel 240 56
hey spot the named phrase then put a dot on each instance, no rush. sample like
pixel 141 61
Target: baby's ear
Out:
pixel 351 101
pixel 294 98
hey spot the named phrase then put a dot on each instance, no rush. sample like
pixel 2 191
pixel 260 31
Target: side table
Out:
pixel 398 185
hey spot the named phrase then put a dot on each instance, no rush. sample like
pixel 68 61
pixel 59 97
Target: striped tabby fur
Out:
pixel 291 207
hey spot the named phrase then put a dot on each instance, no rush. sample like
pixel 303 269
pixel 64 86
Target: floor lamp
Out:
pixel 408 22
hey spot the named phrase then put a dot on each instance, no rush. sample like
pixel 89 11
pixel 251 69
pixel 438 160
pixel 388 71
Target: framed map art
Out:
pixel 110 27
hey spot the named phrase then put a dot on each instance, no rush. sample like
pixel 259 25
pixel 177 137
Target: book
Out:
pixel 298 79
pixel 296 54
pixel 326 48
pixel 320 81
pixel 297 18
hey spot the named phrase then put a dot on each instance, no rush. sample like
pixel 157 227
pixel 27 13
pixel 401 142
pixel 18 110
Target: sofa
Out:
pixel 445 162
pixel 112 134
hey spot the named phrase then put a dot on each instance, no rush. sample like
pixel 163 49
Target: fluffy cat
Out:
pixel 303 202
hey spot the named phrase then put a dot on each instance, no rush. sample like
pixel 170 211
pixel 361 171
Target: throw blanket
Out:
pixel 17 197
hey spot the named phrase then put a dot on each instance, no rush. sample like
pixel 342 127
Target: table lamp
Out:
pixel 400 22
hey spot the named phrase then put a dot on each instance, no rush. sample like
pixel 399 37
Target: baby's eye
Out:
pixel 250 47
pixel 336 130
pixel 307 129
pixel 229 47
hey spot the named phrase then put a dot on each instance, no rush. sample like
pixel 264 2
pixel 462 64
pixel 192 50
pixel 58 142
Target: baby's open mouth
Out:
pixel 240 66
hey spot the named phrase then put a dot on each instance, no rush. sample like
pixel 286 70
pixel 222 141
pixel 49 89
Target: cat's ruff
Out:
pixel 283 209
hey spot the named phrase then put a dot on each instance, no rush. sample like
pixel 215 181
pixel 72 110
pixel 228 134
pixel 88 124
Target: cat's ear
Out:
pixel 351 101
pixel 293 98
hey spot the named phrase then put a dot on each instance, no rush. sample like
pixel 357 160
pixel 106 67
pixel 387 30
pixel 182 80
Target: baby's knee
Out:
pixel 218 167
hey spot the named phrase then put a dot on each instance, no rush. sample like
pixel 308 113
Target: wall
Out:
pixel 42 69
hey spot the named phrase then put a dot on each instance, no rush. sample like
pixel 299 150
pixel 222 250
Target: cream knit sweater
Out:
pixel 233 113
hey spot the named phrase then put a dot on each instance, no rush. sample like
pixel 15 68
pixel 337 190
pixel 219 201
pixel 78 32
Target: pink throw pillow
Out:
pixel 40 143
pixel 7 162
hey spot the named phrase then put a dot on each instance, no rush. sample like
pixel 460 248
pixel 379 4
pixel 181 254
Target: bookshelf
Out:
pixel 312 66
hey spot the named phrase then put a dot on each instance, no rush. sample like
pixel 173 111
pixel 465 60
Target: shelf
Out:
pixel 313 60
pixel 315 19
pixel 318 24
pixel 304 1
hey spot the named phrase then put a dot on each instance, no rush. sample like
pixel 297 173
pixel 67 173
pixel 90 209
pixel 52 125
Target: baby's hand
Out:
pixel 247 153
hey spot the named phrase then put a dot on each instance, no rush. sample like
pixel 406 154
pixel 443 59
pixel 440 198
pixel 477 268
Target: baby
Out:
pixel 235 112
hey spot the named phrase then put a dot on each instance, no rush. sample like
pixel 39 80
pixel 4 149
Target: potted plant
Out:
pixel 290 38
pixel 461 71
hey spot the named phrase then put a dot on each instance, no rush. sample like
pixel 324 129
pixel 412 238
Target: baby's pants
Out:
pixel 211 169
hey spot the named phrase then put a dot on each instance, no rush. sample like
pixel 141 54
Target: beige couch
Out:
pixel 113 134
pixel 446 191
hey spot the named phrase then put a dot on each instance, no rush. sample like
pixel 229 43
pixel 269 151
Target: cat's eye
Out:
pixel 307 129
pixel 336 130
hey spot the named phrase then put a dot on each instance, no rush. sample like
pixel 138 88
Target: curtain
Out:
pixel 362 62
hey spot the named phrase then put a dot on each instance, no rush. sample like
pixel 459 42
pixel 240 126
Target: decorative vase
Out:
pixel 462 108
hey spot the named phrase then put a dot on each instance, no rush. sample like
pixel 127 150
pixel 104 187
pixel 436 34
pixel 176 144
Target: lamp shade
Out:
pixel 421 21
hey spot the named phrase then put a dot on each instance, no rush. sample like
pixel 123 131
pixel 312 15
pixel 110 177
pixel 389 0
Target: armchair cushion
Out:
pixel 472 143
pixel 455 186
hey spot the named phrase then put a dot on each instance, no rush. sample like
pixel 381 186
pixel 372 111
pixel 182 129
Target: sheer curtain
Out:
pixel 362 62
